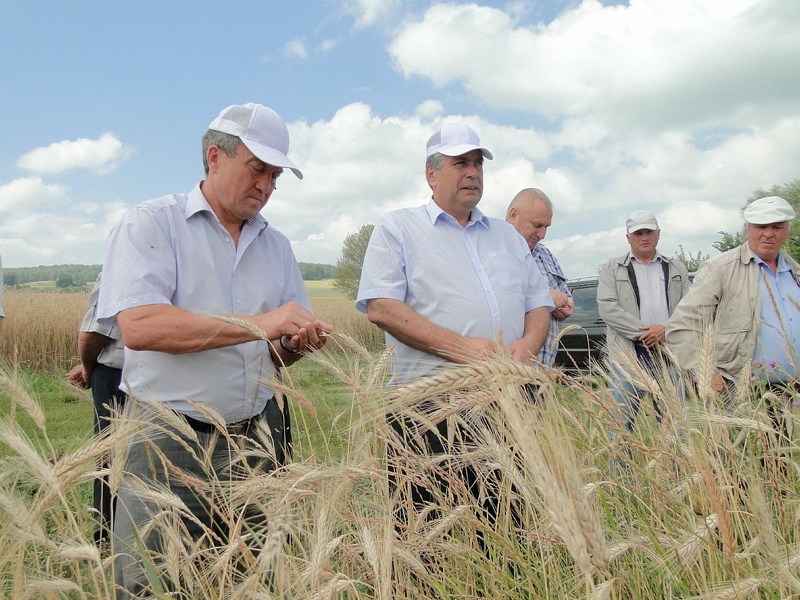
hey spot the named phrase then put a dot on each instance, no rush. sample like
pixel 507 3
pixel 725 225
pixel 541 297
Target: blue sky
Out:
pixel 681 107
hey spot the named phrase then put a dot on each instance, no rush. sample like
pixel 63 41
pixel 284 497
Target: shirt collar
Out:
pixel 540 245
pixel 783 265
pixel 196 202
pixel 435 211
pixel 656 259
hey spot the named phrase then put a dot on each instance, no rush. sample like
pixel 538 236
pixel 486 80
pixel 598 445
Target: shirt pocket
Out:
pixel 510 271
pixel 734 319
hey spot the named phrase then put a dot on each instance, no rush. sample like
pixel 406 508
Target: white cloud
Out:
pixel 650 64
pixel 327 45
pixel 42 224
pixel 370 12
pixel 26 193
pixel 296 48
pixel 102 155
pixel 429 109
pixel 69 237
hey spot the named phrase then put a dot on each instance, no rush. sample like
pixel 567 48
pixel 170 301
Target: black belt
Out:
pixel 236 427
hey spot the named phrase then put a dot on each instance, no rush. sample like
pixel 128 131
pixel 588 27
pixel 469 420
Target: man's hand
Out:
pixel 471 349
pixel 653 335
pixel 521 351
pixel 311 336
pixel 564 304
pixel 78 377
pixel 288 320
pixel 719 383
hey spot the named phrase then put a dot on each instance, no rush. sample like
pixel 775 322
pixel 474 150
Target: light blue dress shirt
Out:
pixel 173 250
pixel 775 357
pixel 477 281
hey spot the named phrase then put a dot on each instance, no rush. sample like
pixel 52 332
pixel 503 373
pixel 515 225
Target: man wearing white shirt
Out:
pixel 170 264
pixel 450 285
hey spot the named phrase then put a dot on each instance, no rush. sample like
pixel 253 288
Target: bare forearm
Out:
pixel 90 345
pixel 537 325
pixel 165 328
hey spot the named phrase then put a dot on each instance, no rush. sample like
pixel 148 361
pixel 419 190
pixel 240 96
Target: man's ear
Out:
pixel 430 175
pixel 212 157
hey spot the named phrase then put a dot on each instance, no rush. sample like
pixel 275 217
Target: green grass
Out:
pixel 68 412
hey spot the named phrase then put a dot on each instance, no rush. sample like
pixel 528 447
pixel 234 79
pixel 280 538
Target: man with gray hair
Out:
pixel 751 296
pixel 171 264
pixel 531 213
pixel 636 294
pixel 450 285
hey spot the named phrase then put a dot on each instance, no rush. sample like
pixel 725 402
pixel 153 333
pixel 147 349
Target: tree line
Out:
pixel 74 277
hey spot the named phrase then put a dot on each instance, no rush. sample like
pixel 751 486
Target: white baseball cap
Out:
pixel 455 139
pixel 261 129
pixel 641 219
pixel 772 209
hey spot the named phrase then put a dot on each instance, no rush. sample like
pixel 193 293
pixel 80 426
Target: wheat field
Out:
pixel 704 505
pixel 40 331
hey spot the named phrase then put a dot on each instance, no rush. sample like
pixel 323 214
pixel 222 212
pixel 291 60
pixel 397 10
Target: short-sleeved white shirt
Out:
pixel 478 280
pixel 173 250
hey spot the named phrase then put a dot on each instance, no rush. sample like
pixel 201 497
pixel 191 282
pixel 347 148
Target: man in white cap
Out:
pixel 170 264
pixel 636 294
pixel 449 285
pixel 750 295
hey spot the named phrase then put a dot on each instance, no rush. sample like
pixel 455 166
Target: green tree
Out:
pixel 316 271
pixel 789 192
pixel 65 280
pixel 348 267
pixel 729 241
pixel 692 262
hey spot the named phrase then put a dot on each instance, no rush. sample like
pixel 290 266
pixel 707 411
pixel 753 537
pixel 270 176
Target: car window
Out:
pixel 585 299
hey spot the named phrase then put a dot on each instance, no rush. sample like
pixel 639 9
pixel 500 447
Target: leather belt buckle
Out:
pixel 238 426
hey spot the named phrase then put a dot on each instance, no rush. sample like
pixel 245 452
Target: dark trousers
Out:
pixel 159 459
pixel 106 396
pixel 414 440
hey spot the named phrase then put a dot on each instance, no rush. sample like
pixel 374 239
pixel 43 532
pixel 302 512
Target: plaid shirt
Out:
pixel 549 267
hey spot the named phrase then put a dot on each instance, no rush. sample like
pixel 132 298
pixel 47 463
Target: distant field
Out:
pixel 323 290
pixel 41 327
pixel 41 285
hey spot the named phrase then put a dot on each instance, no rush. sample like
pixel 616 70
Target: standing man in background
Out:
pixel 636 294
pixel 101 354
pixel 531 213
pixel 752 295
